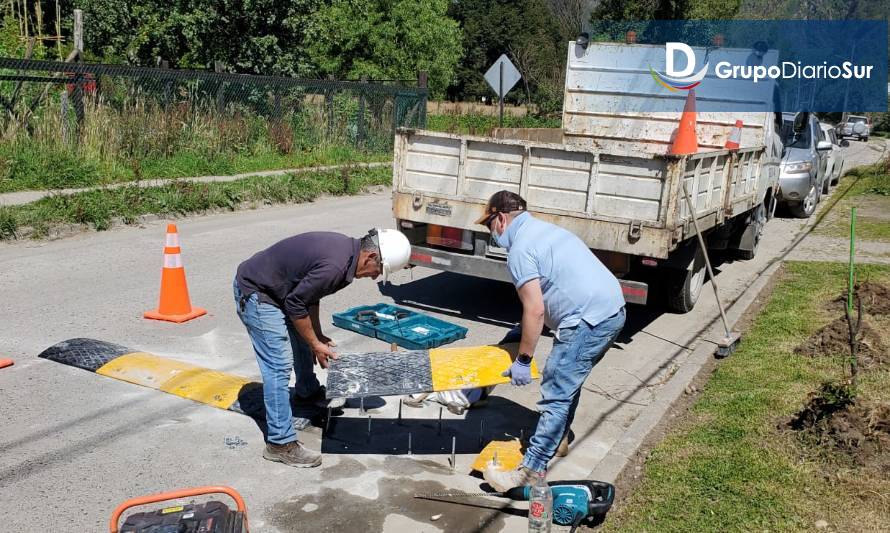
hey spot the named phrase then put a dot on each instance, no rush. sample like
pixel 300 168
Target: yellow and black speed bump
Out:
pixel 350 376
pixel 439 369
pixel 212 387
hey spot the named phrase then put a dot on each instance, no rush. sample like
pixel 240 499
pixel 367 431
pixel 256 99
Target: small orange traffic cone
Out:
pixel 686 141
pixel 6 362
pixel 735 137
pixel 174 305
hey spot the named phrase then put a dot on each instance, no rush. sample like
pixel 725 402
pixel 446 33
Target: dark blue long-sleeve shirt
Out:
pixel 295 273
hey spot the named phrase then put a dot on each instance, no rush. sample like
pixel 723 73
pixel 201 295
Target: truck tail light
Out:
pixel 461 239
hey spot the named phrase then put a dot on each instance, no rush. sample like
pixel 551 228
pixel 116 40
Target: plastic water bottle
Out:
pixel 540 505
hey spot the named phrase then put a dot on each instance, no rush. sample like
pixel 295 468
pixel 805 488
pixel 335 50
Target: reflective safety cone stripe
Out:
pixel 508 453
pixel 735 137
pixel 174 304
pixel 204 385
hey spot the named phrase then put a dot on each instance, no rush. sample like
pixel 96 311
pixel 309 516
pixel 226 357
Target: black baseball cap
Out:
pixel 501 202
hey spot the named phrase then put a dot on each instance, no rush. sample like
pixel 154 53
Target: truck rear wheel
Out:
pixel 684 285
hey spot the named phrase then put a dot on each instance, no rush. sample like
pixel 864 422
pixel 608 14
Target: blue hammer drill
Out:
pixel 573 501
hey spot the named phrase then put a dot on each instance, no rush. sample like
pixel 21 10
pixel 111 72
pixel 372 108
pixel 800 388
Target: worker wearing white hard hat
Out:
pixel 277 295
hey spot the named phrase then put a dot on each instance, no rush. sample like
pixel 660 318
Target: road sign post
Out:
pixel 501 77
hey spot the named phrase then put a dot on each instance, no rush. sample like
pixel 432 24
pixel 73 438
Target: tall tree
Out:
pixel 385 39
pixel 526 30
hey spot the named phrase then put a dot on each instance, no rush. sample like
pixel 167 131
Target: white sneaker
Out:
pixel 504 480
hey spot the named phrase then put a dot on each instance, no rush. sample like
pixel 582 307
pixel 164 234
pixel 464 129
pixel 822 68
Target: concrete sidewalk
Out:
pixel 26 197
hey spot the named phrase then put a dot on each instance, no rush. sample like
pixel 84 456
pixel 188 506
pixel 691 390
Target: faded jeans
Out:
pixel 279 351
pixel 575 353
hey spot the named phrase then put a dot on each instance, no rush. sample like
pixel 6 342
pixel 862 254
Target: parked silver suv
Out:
pixel 803 163
pixel 855 126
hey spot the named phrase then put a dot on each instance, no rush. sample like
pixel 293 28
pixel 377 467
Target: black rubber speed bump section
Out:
pixel 88 354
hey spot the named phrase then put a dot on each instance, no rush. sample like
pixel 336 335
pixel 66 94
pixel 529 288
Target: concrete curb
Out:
pixel 26 197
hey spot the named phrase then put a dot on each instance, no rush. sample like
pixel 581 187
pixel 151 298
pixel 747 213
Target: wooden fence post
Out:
pixel 77 95
pixel 220 91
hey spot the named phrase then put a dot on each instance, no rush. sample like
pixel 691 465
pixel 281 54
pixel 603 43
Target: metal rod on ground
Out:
pixel 369 428
pixel 453 452
pixel 726 345
pixel 400 410
pixel 439 431
pixel 361 406
pixel 409 443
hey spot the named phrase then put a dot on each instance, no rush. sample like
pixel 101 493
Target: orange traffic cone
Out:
pixel 686 141
pixel 735 137
pixel 6 362
pixel 174 303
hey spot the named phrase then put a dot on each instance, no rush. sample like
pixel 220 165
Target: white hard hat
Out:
pixel 395 250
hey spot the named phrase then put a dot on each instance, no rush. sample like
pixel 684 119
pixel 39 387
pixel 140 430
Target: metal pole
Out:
pixel 701 243
pixel 852 261
pixel 453 450
pixel 501 94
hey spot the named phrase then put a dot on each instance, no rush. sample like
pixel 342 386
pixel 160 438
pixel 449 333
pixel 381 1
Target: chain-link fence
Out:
pixel 118 113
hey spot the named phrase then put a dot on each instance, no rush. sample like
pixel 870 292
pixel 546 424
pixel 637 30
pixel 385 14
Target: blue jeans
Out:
pixel 574 355
pixel 279 351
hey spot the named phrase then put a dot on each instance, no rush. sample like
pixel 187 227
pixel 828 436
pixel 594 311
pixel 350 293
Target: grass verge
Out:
pixel 869 192
pixel 38 167
pixel 101 208
pixel 731 464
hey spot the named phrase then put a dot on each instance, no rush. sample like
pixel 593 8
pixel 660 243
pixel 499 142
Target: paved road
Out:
pixel 74 444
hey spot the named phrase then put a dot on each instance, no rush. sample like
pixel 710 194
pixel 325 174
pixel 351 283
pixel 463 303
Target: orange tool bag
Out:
pixel 210 517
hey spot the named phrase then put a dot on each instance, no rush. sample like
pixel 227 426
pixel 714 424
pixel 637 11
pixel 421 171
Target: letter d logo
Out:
pixel 669 52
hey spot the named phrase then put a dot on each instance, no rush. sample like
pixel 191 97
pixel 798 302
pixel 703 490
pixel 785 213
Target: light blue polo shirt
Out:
pixel 575 284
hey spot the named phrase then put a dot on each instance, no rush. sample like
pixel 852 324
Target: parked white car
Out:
pixel 855 126
pixel 835 157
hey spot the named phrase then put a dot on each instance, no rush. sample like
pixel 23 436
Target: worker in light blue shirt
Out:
pixel 562 285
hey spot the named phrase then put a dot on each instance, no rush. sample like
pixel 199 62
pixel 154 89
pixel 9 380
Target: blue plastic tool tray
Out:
pixel 412 330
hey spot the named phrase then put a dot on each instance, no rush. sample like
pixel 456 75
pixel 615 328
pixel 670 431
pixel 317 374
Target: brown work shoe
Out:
pixel 563 449
pixel 292 454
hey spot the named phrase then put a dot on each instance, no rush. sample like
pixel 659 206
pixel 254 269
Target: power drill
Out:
pixel 573 501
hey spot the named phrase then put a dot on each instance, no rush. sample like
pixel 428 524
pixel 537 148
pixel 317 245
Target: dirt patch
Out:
pixel 834 340
pixel 835 422
pixel 875 298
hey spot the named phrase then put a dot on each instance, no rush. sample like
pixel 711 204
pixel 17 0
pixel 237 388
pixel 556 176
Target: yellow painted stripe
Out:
pixel 176 377
pixel 469 367
pixel 509 455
